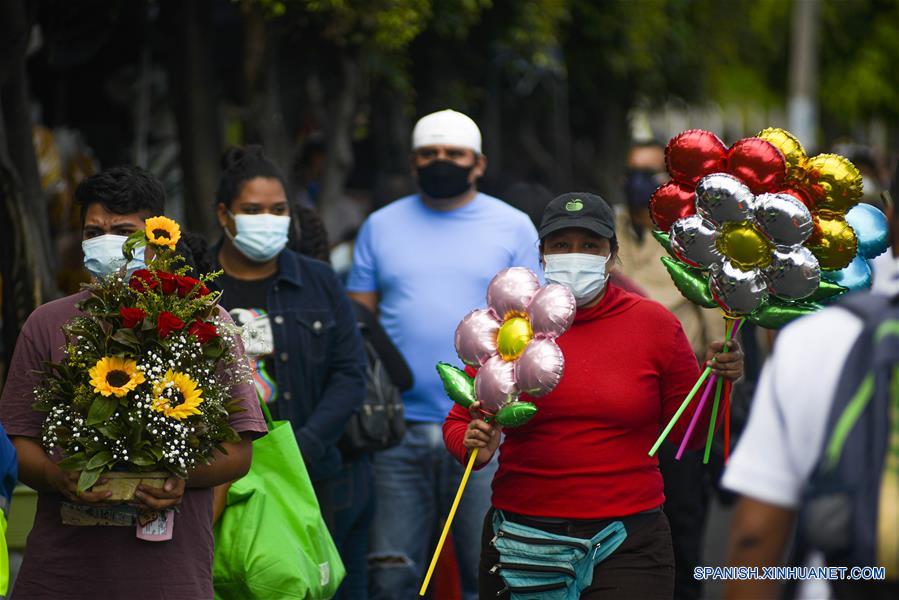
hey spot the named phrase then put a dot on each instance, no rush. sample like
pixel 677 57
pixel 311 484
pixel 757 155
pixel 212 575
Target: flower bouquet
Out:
pixel 144 391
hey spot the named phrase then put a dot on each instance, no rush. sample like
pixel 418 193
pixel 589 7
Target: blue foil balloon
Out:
pixel 871 229
pixel 855 277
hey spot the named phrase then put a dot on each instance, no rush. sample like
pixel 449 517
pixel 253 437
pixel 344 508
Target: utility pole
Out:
pixel 803 99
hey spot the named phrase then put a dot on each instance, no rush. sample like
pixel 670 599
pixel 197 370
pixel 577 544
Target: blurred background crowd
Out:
pixel 569 94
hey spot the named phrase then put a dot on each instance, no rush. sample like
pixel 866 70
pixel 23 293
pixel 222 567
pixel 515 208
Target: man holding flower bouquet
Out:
pixel 130 375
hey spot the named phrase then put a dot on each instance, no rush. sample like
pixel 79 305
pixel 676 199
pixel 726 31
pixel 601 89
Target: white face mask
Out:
pixel 583 274
pixel 259 237
pixel 103 255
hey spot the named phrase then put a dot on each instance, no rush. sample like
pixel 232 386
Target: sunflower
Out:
pixel 114 376
pixel 162 231
pixel 177 396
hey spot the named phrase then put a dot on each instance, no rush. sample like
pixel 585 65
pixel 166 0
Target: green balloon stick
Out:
pixel 458 385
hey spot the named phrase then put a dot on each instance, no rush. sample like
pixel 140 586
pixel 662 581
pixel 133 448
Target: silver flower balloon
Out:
pixel 740 291
pixel 752 245
pixel 694 241
pixel 721 197
pixel 783 218
pixel 794 274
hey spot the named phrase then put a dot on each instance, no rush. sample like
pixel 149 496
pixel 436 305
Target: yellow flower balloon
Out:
pixel 177 396
pixel 790 147
pixel 833 242
pixel 834 182
pixel 162 231
pixel 745 245
pixel 115 376
pixel 513 337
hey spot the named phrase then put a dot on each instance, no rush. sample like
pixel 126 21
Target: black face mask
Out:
pixel 444 179
pixel 639 185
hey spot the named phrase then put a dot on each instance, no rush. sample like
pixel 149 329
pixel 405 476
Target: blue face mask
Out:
pixel 103 255
pixel 259 237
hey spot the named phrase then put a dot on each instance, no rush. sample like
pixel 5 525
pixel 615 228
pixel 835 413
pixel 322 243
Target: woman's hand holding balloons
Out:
pixel 727 364
pixel 481 436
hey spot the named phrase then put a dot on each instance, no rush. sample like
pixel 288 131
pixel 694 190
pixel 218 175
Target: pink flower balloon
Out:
pixel 476 337
pixel 511 290
pixel 515 293
pixel 552 311
pixel 495 384
pixel 540 368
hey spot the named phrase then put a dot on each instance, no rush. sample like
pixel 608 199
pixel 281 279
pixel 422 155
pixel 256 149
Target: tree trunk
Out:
pixel 25 259
pixel 196 110
pixel 339 135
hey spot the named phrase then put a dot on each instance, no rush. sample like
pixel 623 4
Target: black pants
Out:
pixel 642 567
pixel 687 495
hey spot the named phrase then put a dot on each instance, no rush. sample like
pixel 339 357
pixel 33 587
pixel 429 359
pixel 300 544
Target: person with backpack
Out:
pixel 821 449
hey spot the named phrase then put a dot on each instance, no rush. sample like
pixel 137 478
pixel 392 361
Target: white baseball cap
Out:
pixel 446 128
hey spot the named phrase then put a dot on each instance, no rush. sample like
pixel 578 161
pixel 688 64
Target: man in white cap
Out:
pixel 423 262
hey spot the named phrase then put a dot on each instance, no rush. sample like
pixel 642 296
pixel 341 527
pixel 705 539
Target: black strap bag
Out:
pixel 380 422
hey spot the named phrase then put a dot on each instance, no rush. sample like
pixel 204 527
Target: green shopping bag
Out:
pixel 271 540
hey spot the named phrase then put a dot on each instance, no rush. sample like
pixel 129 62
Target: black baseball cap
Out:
pixel 578 209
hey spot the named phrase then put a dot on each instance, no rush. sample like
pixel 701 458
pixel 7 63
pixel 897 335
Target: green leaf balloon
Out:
pixel 664 239
pixel 692 283
pixel 458 385
pixel 775 316
pixel 514 414
pixel 826 291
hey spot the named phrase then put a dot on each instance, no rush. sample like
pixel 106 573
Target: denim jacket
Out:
pixel 318 355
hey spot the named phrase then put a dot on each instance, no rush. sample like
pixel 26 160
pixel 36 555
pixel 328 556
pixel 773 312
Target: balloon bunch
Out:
pixel 761 231
pixel 512 345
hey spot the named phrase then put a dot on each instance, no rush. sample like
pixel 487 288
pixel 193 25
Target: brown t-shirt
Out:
pixel 64 561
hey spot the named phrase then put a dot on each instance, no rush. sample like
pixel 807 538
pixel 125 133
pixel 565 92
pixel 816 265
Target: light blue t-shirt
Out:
pixel 430 269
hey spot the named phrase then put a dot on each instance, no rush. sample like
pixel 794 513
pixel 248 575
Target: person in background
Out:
pixel 63 561
pixel 582 464
pixel 687 490
pixel 301 335
pixel 422 263
pixel 785 439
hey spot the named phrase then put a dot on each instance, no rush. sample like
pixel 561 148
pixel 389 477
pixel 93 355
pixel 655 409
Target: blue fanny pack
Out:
pixel 535 564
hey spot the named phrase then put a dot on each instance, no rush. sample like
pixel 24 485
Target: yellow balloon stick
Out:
pixel 449 522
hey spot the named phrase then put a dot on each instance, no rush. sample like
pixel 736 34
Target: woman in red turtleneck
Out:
pixel 582 462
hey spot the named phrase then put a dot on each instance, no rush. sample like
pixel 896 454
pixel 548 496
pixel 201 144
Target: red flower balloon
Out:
pixel 801 195
pixel 203 331
pixel 671 202
pixel 758 164
pixel 132 316
pixel 166 323
pixel 693 154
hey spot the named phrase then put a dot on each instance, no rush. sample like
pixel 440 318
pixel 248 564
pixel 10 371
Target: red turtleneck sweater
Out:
pixel 628 367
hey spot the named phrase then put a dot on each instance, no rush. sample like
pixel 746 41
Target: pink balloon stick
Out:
pixel 695 419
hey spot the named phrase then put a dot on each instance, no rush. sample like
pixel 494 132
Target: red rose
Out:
pixel 131 316
pixel 143 281
pixel 167 323
pixel 203 331
pixel 169 282
pixel 187 284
